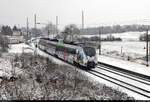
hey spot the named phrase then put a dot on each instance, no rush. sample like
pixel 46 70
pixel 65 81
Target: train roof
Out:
pixel 68 43
pixel 55 40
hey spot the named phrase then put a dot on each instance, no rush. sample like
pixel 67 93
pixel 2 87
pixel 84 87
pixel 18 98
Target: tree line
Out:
pixel 114 29
pixel 7 30
pixel 71 30
pixel 96 39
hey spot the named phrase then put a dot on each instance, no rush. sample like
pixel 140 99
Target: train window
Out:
pixel 89 51
pixel 71 51
pixel 42 43
pixel 59 48
pixel 68 50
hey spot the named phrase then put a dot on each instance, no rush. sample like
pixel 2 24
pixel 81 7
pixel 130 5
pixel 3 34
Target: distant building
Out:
pixel 17 33
pixel 17 37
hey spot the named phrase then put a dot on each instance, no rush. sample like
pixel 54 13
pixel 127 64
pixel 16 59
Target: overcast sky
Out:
pixel 97 12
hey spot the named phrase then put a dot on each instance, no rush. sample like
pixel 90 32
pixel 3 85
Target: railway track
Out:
pixel 138 83
pixel 131 73
pixel 133 82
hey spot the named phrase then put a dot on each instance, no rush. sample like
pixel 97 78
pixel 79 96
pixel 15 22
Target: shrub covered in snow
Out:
pixel 44 80
pixel 3 44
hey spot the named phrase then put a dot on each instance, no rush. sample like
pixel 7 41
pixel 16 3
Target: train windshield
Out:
pixel 89 51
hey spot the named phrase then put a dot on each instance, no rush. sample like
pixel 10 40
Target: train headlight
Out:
pixel 90 58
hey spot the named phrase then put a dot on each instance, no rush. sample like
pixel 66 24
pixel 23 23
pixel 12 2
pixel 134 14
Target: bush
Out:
pixel 3 43
pixel 45 80
pixel 143 37
pixel 108 38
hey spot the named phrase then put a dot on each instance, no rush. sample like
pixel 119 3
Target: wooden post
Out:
pixel 121 49
pixel 147 47
pixel 22 51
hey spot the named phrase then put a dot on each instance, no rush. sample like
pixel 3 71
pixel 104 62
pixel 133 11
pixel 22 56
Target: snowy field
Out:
pixel 133 49
pixel 130 43
pixel 127 36
pixel 17 48
pixel 129 47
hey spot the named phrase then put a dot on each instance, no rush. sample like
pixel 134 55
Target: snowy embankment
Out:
pixel 6 61
pixel 94 79
pixel 41 79
pixel 19 48
pixel 5 68
pixel 90 77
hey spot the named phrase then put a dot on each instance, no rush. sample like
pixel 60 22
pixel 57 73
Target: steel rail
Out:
pixel 123 75
pixel 94 73
pixel 125 71
pixel 144 77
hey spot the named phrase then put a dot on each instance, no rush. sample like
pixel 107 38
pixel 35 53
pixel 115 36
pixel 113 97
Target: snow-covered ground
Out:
pixel 20 48
pixel 129 47
pixel 132 49
pixel 17 48
pixel 6 69
pixel 5 62
pixel 131 66
pixel 116 62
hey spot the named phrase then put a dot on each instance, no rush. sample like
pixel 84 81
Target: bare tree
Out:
pixel 70 30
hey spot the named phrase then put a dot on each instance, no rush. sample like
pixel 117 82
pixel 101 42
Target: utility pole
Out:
pixel 82 25
pixel 148 39
pixel 57 25
pixel 35 33
pixel 147 47
pixel 35 21
pixel 27 28
pixel 82 20
pixel 48 32
pixel 100 40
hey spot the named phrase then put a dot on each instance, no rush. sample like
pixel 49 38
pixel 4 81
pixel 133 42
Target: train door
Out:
pixel 60 52
pixel 80 56
pixel 49 49
pixel 65 54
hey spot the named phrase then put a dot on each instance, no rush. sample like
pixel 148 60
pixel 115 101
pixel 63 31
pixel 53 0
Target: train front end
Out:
pixel 91 57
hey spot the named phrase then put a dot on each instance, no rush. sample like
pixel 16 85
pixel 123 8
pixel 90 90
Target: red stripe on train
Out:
pixel 64 53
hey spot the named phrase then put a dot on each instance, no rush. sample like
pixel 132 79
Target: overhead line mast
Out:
pixel 56 25
pixel 35 21
pixel 82 20
pixel 27 28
